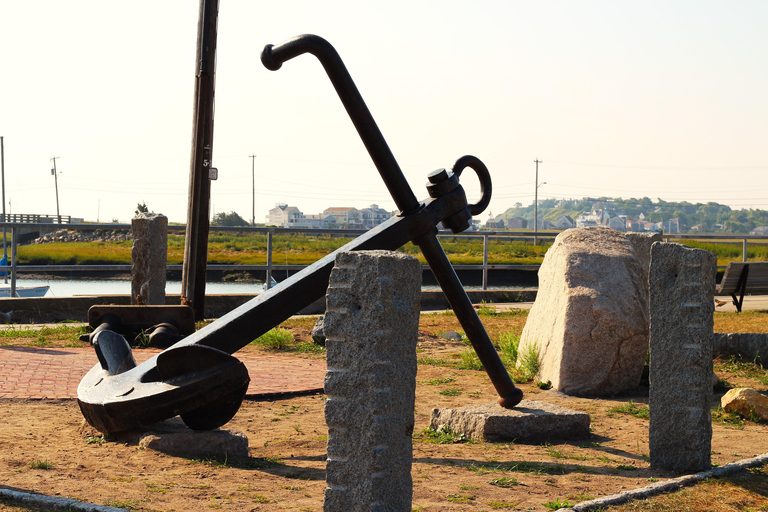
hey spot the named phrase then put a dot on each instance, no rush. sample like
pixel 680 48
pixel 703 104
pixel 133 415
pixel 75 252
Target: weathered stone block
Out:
pixel 682 303
pixel 198 444
pixel 149 257
pixel 529 421
pixel 589 322
pixel 371 330
pixel 746 402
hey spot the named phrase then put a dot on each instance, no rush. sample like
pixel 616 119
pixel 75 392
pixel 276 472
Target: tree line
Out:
pixel 703 217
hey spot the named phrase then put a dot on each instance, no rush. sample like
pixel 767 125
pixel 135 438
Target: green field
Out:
pixel 303 249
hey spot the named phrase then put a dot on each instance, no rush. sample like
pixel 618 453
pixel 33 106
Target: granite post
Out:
pixel 682 282
pixel 149 256
pixel 371 329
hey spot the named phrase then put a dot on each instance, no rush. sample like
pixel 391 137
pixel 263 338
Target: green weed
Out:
pixel 557 504
pixel 638 411
pixel 504 482
pixel 443 434
pixel 274 339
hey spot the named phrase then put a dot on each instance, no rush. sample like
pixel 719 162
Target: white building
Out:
pixel 285 216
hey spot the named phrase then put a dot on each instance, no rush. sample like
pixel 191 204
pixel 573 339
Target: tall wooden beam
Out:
pixel 198 209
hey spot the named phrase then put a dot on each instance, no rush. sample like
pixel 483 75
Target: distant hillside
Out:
pixel 702 217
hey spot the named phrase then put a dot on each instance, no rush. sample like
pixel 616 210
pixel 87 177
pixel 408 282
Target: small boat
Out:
pixel 24 291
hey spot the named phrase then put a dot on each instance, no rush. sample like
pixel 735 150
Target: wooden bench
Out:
pixel 742 277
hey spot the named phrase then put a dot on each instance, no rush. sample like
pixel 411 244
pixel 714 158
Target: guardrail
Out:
pixel 270 267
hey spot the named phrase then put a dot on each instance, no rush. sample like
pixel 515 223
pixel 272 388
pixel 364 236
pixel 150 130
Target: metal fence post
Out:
pixel 14 239
pixel 485 260
pixel 268 283
pixel 743 249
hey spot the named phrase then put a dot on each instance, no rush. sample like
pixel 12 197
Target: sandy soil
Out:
pixel 285 467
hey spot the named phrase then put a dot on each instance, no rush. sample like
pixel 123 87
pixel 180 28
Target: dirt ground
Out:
pixel 286 465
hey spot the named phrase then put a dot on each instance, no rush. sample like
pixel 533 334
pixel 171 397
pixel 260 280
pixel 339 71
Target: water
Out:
pixel 72 287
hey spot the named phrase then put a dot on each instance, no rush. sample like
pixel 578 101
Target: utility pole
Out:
pixel 200 175
pixel 536 206
pixel 56 182
pixel 253 176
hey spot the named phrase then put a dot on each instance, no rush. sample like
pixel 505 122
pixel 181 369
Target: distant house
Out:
pixel 286 216
pixel 618 223
pixel 565 222
pixel 517 223
pixel 673 226
pixel 346 217
pixel 759 230
pixel 653 227
pixel 320 221
pixel 492 223
pixel 635 226
pixel 373 216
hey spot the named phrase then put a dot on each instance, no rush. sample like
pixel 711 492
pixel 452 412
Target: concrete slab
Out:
pixel 530 421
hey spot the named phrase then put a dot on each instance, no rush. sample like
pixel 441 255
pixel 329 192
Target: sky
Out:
pixel 660 99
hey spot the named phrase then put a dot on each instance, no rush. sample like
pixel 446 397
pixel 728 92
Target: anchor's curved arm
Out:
pixel 273 58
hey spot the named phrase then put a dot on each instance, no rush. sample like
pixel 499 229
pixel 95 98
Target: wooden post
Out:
pixel 198 209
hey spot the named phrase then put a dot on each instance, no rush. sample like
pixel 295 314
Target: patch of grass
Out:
pixel 486 309
pixel 631 408
pixel 443 380
pixel 94 440
pixel 450 392
pixel 497 505
pixel 40 464
pixel 274 339
pixel 469 361
pixel 432 361
pixel 459 498
pixel 508 343
pixel 504 481
pixel 544 385
pixel 529 362
pixel 740 368
pixel 557 504
pixel 534 468
pixel 743 491
pixel 727 418
pixel 443 434
pixel 129 504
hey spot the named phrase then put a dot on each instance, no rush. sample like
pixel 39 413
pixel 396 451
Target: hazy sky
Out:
pixel 665 99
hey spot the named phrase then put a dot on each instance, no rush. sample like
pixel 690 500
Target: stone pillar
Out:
pixel 371 329
pixel 149 256
pixel 682 304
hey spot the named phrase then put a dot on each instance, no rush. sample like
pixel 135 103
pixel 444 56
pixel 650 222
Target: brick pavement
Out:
pixel 54 373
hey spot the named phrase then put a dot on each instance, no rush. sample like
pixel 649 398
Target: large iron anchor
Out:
pixel 200 380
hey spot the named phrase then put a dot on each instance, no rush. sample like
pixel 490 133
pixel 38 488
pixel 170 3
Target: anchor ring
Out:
pixel 483 175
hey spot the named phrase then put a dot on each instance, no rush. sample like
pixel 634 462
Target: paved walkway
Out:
pixel 54 373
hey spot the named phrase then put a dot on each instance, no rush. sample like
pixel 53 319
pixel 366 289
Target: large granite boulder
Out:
pixel 589 323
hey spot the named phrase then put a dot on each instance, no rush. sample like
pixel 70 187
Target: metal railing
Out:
pixel 270 267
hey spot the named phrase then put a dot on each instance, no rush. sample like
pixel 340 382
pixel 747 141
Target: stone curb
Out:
pixel 56 503
pixel 667 485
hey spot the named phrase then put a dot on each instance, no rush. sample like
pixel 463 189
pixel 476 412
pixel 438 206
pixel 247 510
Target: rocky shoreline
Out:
pixel 96 235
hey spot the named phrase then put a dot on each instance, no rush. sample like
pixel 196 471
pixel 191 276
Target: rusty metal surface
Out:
pixel 161 386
